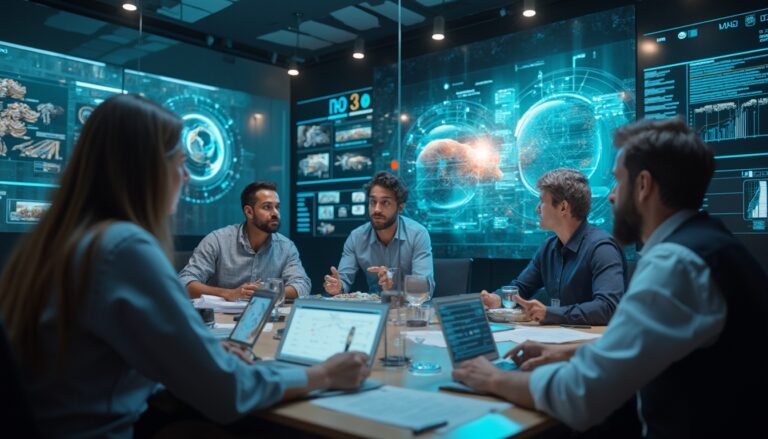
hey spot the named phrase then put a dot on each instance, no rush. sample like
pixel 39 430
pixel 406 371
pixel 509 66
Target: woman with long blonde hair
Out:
pixel 93 308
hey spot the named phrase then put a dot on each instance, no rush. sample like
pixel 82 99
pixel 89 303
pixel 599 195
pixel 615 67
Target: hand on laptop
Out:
pixel 346 370
pixel 332 282
pixel 530 354
pixel 490 300
pixel 533 309
pixel 238 350
pixel 479 374
pixel 244 291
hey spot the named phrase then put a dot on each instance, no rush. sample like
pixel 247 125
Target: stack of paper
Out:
pixel 544 335
pixel 517 335
pixel 412 409
pixel 219 304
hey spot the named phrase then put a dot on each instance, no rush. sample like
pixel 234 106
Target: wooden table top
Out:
pixel 308 417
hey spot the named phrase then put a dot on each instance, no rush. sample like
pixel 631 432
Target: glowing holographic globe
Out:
pixel 559 131
pixel 441 169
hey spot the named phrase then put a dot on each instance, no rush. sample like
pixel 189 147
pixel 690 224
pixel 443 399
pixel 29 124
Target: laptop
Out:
pixel 252 321
pixel 318 328
pixel 467 333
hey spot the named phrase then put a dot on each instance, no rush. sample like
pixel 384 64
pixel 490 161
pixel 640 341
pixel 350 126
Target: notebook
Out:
pixel 247 330
pixel 318 329
pixel 467 333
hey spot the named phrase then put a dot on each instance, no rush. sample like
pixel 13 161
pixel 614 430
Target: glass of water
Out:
pixel 507 294
pixel 276 286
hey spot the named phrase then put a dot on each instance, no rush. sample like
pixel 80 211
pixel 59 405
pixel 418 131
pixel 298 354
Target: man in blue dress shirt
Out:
pixel 389 240
pixel 682 335
pixel 581 265
pixel 231 262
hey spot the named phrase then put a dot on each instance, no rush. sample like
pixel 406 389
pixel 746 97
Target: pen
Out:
pixel 576 326
pixel 349 338
pixel 423 428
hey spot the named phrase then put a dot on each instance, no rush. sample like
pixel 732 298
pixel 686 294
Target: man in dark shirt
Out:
pixel 581 266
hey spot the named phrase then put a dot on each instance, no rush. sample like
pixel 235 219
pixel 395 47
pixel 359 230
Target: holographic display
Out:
pixel 213 119
pixel 713 71
pixel 43 100
pixel 334 157
pixel 481 123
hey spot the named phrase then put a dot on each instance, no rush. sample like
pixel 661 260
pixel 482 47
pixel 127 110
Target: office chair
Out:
pixel 452 276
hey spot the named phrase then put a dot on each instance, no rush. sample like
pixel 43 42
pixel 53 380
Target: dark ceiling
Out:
pixel 261 30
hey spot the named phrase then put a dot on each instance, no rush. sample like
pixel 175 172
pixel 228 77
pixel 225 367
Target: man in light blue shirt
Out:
pixel 694 306
pixel 231 262
pixel 389 240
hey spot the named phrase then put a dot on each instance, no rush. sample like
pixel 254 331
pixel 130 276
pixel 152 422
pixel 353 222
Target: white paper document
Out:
pixel 219 304
pixel 416 410
pixel 543 335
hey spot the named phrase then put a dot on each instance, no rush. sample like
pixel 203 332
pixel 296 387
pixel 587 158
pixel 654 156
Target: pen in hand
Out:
pixel 349 338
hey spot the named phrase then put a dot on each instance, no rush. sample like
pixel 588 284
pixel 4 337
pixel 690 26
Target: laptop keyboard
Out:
pixel 506 365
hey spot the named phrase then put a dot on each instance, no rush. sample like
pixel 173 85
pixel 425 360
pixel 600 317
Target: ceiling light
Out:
pixel 130 6
pixel 293 68
pixel 438 28
pixel 529 8
pixel 359 51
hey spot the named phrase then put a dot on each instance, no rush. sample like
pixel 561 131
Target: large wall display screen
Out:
pixel 714 73
pixel 481 123
pixel 44 100
pixel 218 162
pixel 333 158
pixel 46 97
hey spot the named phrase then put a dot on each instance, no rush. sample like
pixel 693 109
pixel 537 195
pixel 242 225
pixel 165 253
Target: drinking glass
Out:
pixel 507 291
pixel 416 293
pixel 276 286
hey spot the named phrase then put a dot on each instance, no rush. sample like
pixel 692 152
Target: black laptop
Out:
pixel 467 333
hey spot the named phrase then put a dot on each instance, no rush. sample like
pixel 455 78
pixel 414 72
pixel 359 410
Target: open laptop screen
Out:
pixel 252 321
pixel 319 329
pixel 466 328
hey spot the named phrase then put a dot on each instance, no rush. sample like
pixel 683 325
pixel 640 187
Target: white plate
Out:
pixel 504 315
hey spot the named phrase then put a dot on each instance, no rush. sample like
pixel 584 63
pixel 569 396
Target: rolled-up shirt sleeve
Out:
pixel 294 273
pixel 202 264
pixel 348 265
pixel 607 267
pixel 160 335
pixel 423 264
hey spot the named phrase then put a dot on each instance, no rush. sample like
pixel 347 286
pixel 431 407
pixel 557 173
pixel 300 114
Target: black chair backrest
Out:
pixel 15 412
pixel 452 276
pixel 181 258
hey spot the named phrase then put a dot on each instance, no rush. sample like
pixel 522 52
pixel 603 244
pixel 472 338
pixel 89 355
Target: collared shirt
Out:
pixel 671 308
pixel 136 329
pixel 410 249
pixel 226 259
pixel 586 274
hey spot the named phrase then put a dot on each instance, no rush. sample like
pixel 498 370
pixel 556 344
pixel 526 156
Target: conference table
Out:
pixel 304 416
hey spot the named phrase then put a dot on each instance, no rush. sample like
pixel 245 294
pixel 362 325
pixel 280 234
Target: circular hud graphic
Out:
pixel 569 120
pixel 212 145
pixel 453 152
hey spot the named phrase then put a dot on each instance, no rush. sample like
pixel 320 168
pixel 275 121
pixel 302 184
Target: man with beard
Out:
pixel 581 265
pixel 390 240
pixel 231 262
pixel 694 307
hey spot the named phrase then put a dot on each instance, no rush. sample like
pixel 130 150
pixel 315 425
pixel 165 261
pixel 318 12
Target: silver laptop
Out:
pixel 318 329
pixel 467 333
